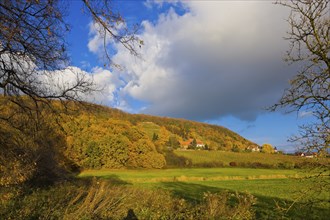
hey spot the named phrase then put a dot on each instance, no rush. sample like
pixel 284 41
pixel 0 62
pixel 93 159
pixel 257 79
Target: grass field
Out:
pixel 187 175
pixel 200 158
pixel 271 187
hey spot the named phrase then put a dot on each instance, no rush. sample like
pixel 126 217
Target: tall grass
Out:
pixel 100 199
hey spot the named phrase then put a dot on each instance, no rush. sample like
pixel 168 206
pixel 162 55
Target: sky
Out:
pixel 219 62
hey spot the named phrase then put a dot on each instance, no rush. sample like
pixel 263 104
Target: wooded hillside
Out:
pixel 103 137
pixel 71 136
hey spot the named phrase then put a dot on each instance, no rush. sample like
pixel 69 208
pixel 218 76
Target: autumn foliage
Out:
pixel 95 137
pixel 109 138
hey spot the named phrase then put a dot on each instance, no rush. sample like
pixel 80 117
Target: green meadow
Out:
pixel 279 192
pixel 254 159
pixel 191 174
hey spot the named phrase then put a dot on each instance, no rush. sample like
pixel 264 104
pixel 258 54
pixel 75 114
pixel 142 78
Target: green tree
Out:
pixel 155 137
pixel 173 142
pixel 193 144
pixel 235 149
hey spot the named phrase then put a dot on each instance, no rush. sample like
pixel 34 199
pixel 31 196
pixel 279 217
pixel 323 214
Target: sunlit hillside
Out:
pixel 102 137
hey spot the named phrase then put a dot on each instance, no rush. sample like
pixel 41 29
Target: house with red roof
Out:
pixel 185 144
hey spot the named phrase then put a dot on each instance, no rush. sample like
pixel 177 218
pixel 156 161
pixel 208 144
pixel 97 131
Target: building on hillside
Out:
pixel 185 144
pixel 253 148
pixel 308 155
pixel 200 144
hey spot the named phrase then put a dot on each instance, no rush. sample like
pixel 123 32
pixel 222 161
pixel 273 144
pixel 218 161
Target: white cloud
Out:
pixel 99 38
pixel 219 58
pixel 105 83
pixel 95 42
pixel 304 114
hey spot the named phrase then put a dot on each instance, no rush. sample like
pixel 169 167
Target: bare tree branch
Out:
pixel 309 37
pixel 36 81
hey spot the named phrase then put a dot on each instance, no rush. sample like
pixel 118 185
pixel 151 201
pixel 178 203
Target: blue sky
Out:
pixel 213 61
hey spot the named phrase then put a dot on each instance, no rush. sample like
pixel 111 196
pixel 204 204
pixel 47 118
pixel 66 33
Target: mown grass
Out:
pixel 192 174
pixel 254 159
pixel 283 183
pixel 275 189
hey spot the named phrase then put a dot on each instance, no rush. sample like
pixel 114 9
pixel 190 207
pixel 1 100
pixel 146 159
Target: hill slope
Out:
pixel 103 137
pixel 93 136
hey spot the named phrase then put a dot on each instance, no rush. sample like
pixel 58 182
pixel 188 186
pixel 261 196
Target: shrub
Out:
pixel 308 165
pixel 235 149
pixel 233 164
pixel 173 160
pixel 210 164
pixel 286 165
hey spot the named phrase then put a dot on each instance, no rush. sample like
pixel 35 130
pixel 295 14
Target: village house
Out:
pixel 308 155
pixel 185 144
pixel 200 144
pixel 253 148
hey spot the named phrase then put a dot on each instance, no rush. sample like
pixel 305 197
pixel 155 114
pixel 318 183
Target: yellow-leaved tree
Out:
pixel 267 148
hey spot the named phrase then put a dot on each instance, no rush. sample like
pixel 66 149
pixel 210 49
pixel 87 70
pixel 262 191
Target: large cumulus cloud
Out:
pixel 219 58
pixel 103 84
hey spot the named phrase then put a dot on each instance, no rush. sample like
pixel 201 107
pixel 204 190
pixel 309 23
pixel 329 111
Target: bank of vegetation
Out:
pixel 250 160
pixel 88 136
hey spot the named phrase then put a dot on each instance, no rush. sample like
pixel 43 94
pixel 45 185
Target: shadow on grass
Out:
pixel 265 208
pixel 277 208
pixel 189 191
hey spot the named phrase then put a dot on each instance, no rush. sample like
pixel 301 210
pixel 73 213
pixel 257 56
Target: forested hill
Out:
pixel 90 136
pixel 102 137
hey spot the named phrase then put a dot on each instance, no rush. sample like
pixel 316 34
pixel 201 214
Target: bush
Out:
pixel 233 164
pixel 262 165
pixel 173 160
pixel 286 165
pixel 307 165
pixel 210 164
pixel 235 149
